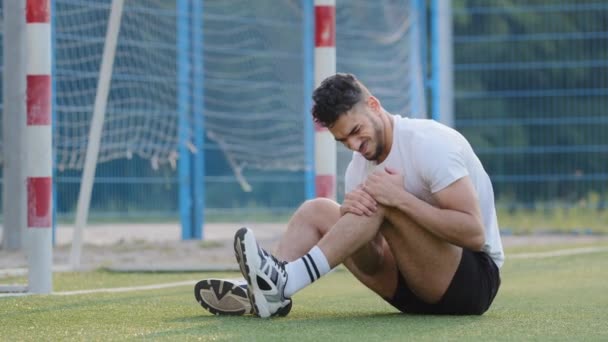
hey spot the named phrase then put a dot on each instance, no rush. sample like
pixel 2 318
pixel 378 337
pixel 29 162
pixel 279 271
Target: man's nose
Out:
pixel 353 144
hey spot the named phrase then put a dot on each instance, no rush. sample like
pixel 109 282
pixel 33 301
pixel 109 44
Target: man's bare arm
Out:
pixel 456 220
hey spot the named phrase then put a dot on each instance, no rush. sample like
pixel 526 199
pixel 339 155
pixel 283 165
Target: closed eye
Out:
pixel 354 131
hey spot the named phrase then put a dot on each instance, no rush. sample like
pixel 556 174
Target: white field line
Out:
pixel 112 289
pixel 537 255
pixel 128 289
pixel 557 253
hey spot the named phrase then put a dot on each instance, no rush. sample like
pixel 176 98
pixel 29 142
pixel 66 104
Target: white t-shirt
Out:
pixel 432 156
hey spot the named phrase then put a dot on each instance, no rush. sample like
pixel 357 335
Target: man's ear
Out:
pixel 374 104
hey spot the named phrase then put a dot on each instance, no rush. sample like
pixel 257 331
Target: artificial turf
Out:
pixel 558 298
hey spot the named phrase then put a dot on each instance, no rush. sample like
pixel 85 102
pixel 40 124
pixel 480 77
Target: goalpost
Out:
pixel 99 111
pixel 325 66
pixel 29 154
pixel 248 50
pixel 325 145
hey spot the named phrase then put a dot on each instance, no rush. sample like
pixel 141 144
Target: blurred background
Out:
pixel 529 92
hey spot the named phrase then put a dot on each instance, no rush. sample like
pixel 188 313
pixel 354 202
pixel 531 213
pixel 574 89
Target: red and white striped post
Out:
pixel 38 146
pixel 325 66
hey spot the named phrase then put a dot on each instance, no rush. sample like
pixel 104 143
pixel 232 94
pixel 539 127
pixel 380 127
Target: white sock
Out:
pixel 304 271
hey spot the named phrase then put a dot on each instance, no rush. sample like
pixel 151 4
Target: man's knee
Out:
pixel 323 213
pixel 320 206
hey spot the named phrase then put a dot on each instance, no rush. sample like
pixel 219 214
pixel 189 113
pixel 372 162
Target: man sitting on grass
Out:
pixel 417 226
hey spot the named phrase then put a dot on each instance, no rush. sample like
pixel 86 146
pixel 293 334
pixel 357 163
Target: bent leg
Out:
pixel 370 261
pixel 427 262
pixel 306 227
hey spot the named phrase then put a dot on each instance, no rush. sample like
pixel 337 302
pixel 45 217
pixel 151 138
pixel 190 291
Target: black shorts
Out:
pixel 471 291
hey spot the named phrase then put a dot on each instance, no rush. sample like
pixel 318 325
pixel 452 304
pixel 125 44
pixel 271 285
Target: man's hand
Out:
pixel 385 186
pixel 358 202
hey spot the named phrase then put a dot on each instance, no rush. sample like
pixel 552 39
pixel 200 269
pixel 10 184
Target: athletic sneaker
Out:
pixel 227 297
pixel 265 275
pixel 223 296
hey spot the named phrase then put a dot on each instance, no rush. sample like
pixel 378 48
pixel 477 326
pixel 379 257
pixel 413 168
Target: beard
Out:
pixel 379 142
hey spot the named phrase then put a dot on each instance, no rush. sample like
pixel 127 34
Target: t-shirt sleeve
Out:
pixel 440 162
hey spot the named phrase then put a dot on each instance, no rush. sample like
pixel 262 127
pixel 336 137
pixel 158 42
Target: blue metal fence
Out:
pixel 252 85
pixel 531 96
pixel 193 81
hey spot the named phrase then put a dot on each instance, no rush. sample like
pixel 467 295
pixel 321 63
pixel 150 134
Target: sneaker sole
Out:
pixel 221 297
pixel 241 250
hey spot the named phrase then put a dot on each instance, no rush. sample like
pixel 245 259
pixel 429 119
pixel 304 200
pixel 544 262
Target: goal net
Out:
pixel 379 41
pixel 253 77
pixel 252 71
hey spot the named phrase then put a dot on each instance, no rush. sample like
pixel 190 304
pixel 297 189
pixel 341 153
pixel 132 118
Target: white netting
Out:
pixel 252 83
pixel 376 40
pixel 373 41
pixel 141 116
pixel 254 105
pixel 253 74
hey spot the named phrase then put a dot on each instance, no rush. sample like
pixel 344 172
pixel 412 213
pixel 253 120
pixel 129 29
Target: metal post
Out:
pixel 198 103
pixel 421 7
pixel 37 159
pixel 13 124
pixel 54 114
pixel 308 49
pixel 417 71
pixel 325 66
pixel 183 110
pixel 93 145
pixel 443 87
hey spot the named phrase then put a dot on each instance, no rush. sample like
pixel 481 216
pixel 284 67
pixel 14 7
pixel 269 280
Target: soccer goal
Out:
pixel 28 136
pixel 171 82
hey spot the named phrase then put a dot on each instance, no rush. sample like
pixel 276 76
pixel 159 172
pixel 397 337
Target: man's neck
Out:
pixel 388 123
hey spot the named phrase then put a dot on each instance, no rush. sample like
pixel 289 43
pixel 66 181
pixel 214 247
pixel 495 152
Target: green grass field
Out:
pixel 558 298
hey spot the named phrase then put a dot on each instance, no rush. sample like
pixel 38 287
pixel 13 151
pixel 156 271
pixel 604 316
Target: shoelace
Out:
pixel 281 264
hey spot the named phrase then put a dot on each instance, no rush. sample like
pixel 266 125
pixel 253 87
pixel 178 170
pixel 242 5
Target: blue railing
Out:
pixel 530 94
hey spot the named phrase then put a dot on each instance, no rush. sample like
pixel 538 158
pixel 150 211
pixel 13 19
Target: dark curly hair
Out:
pixel 335 96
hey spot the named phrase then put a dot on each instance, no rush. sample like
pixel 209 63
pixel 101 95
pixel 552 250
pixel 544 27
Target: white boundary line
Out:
pixel 112 289
pixel 128 289
pixel 558 253
pixel 538 255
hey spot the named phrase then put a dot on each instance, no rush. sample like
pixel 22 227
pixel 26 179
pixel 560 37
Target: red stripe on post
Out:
pixel 38 11
pixel 39 190
pixel 38 100
pixel 325 26
pixel 325 185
